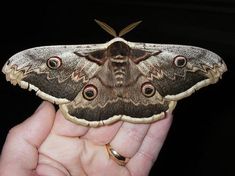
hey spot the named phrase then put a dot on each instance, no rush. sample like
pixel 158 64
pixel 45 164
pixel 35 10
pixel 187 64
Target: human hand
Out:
pixel 47 144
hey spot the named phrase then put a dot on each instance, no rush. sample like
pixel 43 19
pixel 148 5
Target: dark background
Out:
pixel 201 139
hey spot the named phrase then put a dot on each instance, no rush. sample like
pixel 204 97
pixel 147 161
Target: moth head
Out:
pixel 118 49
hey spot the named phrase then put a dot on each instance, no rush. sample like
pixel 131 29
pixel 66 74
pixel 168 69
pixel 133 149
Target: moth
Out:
pixel 99 84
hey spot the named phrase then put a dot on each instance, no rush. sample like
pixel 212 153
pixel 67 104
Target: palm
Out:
pixel 76 150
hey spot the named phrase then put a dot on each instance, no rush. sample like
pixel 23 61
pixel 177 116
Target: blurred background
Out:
pixel 201 139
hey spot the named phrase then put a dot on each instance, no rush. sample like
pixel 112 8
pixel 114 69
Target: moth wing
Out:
pixel 30 70
pixel 202 67
pixel 107 107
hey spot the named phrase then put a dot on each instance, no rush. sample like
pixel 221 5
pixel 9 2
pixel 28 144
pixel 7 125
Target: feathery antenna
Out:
pixel 112 32
pixel 128 28
pixel 107 28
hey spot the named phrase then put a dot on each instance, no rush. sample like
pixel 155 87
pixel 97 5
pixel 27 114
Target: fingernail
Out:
pixel 40 107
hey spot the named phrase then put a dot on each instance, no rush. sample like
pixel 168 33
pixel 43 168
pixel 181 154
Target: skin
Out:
pixel 48 145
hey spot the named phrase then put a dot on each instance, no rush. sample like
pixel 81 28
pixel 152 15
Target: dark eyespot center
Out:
pixel 90 92
pixel 8 62
pixel 180 61
pixel 54 62
pixel 148 89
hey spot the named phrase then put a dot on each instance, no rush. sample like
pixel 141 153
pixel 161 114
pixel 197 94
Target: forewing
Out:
pixel 174 82
pixel 30 70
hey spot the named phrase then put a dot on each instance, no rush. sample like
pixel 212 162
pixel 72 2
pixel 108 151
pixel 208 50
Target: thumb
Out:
pixel 20 151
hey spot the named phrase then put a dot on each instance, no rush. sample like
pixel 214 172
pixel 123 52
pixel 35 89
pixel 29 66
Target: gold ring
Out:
pixel 113 154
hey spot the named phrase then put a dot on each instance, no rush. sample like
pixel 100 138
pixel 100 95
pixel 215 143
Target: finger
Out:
pixel 104 134
pixel 19 154
pixel 142 161
pixel 64 127
pixel 129 138
pixel 96 161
